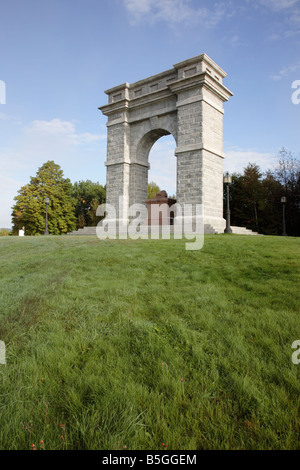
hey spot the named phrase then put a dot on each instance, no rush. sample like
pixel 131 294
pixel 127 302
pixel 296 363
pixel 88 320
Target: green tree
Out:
pixel 29 209
pixel 87 197
pixel 255 199
pixel 271 220
pixel 237 203
pixel 253 194
pixel 153 189
pixel 246 197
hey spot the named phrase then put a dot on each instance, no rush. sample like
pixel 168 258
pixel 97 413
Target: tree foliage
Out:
pixel 30 209
pixel 153 189
pixel 87 197
pixel 255 198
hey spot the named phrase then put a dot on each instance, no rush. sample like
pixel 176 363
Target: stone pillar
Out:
pixel 138 190
pixel 200 136
pixel 118 150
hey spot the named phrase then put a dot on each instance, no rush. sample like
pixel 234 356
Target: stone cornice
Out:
pixel 203 58
pixel 113 108
pixel 128 97
pixel 202 79
pixel 196 148
pixel 126 162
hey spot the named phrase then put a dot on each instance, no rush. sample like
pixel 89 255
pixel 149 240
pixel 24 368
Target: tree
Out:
pixel 287 173
pixel 153 189
pixel 287 170
pixel 255 199
pixel 87 197
pixel 236 201
pixel 246 197
pixel 253 193
pixel 271 223
pixel 29 209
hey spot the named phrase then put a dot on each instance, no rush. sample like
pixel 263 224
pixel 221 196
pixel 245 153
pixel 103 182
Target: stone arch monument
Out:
pixel 187 102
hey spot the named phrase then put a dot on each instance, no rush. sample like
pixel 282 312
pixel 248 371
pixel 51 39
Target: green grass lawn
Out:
pixel 113 344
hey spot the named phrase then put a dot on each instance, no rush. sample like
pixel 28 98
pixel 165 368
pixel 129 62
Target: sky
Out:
pixel 58 57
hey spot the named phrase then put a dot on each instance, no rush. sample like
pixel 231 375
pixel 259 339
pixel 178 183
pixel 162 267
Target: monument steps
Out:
pixel 208 230
pixel 84 231
pixel 242 231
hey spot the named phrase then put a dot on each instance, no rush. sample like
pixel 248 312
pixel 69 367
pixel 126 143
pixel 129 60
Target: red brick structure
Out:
pixel 160 215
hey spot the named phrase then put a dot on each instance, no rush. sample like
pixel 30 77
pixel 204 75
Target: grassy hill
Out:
pixel 131 344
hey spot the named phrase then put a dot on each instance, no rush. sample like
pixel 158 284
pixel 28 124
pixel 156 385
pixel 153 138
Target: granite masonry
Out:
pixel 187 102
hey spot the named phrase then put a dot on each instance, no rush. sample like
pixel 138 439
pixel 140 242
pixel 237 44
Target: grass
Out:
pixel 128 344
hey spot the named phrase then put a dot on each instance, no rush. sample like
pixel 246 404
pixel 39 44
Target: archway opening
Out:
pixel 163 165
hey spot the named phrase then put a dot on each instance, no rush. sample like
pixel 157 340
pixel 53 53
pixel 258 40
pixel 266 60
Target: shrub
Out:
pixel 4 232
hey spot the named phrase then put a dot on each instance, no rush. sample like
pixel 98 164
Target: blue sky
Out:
pixel 58 57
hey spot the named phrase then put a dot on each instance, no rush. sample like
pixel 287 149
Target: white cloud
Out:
pixel 54 127
pixel 9 188
pixel 58 140
pixel 81 155
pixel 288 12
pixel 286 71
pixel 62 131
pixel 234 40
pixel 176 11
pixel 7 117
pixel 237 159
pixel 4 117
pixel 279 5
